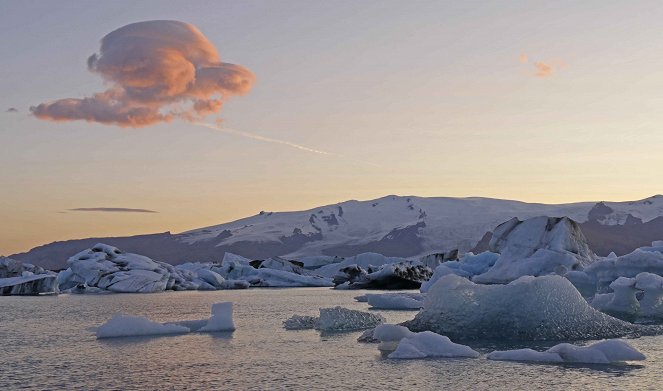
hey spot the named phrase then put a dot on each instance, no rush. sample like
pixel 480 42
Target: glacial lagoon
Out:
pixel 49 343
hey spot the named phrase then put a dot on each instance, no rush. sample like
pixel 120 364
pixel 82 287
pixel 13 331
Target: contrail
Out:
pixel 262 138
pixel 253 136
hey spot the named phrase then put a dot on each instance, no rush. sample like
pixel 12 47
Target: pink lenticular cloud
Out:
pixel 158 71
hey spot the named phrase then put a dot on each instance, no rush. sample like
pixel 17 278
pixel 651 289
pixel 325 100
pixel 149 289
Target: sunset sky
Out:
pixel 548 102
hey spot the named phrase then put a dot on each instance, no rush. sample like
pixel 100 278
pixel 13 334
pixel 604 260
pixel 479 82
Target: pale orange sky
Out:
pixel 437 99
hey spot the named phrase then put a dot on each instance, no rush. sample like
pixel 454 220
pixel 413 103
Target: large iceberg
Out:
pixel 529 308
pixel 18 278
pixel 603 352
pixel 108 268
pixel 534 247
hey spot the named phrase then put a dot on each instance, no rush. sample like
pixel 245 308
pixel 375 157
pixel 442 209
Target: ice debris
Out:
pixel 603 352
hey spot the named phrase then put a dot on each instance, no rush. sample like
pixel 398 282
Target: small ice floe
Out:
pixel 604 352
pixel 335 319
pixel 404 344
pixel 133 326
pixel 396 301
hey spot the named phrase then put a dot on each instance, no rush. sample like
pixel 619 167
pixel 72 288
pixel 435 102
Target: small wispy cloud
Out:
pixel 112 210
pixel 543 69
pixel 12 110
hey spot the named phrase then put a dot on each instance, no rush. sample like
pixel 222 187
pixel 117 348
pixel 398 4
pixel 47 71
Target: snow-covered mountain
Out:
pixel 403 226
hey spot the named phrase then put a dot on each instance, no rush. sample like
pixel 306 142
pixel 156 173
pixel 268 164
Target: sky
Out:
pixel 540 101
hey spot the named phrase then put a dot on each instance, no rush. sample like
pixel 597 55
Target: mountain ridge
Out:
pixel 404 226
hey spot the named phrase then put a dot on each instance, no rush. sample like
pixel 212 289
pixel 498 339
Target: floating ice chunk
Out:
pixel 524 355
pixel 390 335
pixel 469 265
pixel 579 354
pixel 530 308
pixel 429 344
pixel 606 270
pixel 396 301
pixel 603 352
pixel 299 322
pixel 391 332
pixel 618 350
pixel 131 326
pixel 651 305
pixel 222 318
pixel 622 303
pixel 343 319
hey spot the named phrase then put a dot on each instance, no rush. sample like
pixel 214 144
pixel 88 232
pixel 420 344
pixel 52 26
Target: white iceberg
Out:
pixel 603 352
pixel 132 326
pixel 395 301
pixel 530 308
pixel 429 344
pixel 468 266
pixel 535 247
pixel 389 335
pixel 222 318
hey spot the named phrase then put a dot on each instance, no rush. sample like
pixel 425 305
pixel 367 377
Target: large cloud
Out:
pixel 157 71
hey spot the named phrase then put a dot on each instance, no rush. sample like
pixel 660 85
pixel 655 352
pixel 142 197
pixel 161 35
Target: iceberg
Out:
pixel 222 318
pixel 389 335
pixel 396 301
pixel 343 319
pixel 529 308
pixel 603 352
pixel 133 326
pixel 364 261
pixel 19 278
pixel 535 247
pixel 299 322
pixel 402 275
pixel 335 319
pixel 623 302
pixel 468 266
pixel 107 267
pixel 429 344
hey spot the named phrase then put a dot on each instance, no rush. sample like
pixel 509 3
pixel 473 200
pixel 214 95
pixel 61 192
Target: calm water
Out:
pixel 46 343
